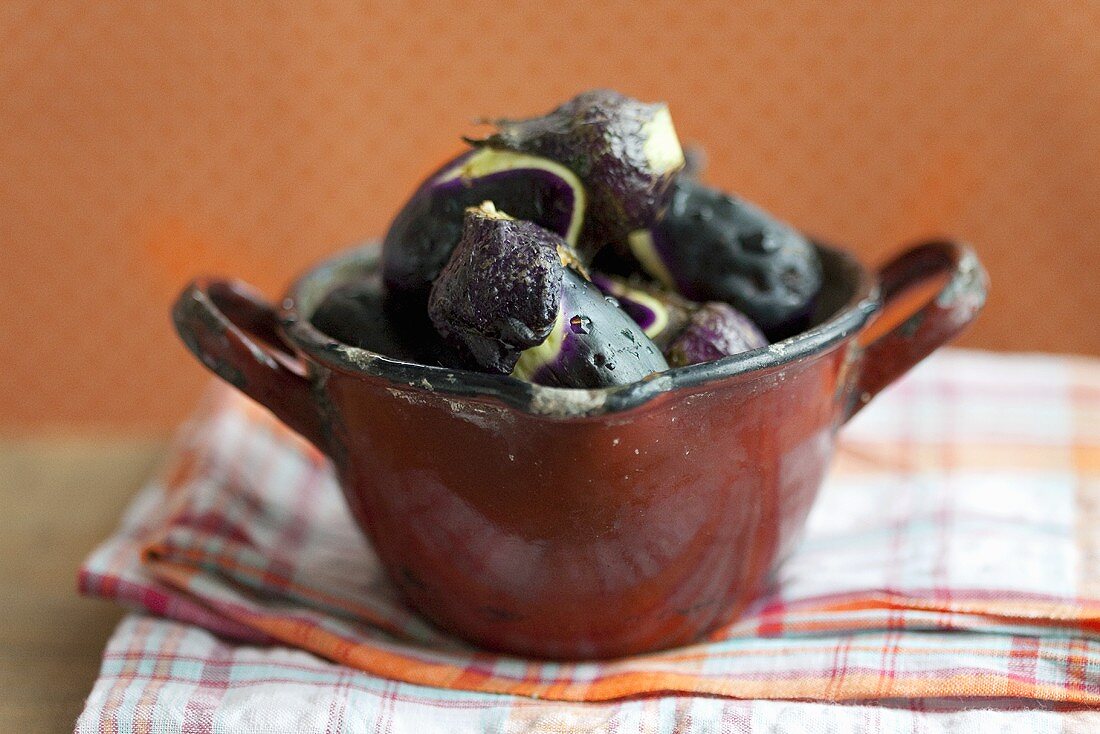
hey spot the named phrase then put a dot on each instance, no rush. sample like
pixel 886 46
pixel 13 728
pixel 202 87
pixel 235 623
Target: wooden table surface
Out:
pixel 60 498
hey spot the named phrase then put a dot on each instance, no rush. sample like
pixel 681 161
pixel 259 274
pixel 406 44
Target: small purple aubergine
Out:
pixel 625 153
pixel 360 314
pixel 512 299
pixel 715 330
pixel 710 246
pixel 686 332
pixel 424 233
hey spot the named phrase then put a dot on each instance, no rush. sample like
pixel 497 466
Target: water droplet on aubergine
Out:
pixel 580 324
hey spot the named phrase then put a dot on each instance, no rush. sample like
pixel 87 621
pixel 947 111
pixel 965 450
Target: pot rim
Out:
pixel 558 402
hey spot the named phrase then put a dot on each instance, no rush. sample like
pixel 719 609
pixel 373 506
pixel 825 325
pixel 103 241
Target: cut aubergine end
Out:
pixel 425 232
pixel 625 152
pixel 711 246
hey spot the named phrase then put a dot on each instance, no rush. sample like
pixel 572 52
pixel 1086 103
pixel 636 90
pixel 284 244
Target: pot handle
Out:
pixel 233 330
pixel 917 329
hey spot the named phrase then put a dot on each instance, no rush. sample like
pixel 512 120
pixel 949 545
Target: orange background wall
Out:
pixel 141 146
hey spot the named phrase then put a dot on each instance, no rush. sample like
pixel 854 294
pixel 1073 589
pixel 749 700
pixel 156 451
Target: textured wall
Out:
pixel 143 145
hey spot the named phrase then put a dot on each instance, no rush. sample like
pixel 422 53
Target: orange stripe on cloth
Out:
pixel 1034 612
pixel 476 675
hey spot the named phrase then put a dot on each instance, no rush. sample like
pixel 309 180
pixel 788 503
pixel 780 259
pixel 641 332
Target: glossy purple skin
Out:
pixel 718 247
pixel 426 230
pixel 715 330
pixel 692 332
pixel 648 305
pixel 600 135
pixel 501 290
pixel 642 313
pixel 360 315
pixel 601 345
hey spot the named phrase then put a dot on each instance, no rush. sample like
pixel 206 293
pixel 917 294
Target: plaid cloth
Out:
pixel 162 676
pixel 954 552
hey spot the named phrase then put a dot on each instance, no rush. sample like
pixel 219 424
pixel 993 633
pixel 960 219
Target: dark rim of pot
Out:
pixel 849 311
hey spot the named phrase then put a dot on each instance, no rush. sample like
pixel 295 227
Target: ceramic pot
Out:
pixel 571 523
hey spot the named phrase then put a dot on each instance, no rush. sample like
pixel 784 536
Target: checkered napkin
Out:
pixel 954 552
pixel 161 676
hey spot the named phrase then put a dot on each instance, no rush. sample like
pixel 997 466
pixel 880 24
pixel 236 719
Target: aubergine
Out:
pixel 424 233
pixel 715 330
pixel 360 314
pixel 661 313
pixel 625 153
pixel 686 332
pixel 711 246
pixel 514 298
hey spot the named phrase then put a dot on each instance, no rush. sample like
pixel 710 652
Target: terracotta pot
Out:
pixel 582 523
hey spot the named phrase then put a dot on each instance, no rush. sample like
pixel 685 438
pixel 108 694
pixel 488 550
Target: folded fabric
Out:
pixel 164 676
pixel 953 552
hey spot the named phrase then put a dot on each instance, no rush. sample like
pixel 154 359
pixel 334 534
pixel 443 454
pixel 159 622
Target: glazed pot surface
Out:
pixel 572 523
